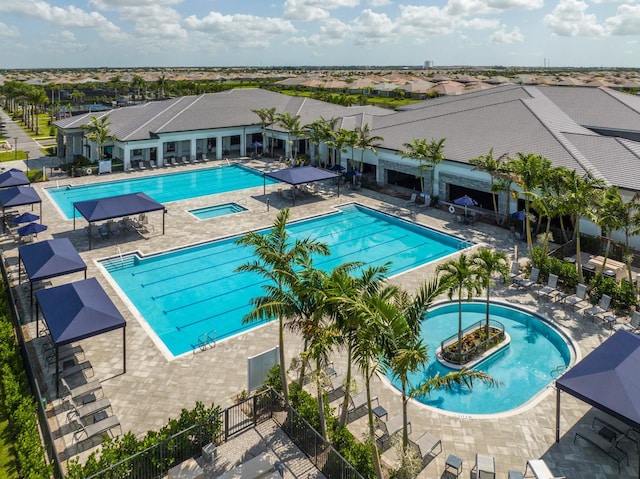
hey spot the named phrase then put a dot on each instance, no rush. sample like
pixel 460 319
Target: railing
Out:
pixel 468 354
pixel 322 454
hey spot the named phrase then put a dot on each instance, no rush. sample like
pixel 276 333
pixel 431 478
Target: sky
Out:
pixel 264 33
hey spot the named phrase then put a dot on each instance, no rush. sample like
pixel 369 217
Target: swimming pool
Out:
pixel 185 293
pixel 524 367
pixel 163 188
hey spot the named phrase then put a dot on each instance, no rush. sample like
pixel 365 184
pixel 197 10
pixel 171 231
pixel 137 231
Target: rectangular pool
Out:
pixel 186 293
pixel 216 211
pixel 163 188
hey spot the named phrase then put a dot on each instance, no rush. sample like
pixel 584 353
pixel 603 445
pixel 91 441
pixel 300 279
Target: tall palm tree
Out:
pixel 609 216
pixel 275 257
pixel 580 193
pixel 291 123
pixel 486 264
pixel 458 277
pixel 267 118
pixel 343 289
pixel 339 142
pixel 529 172
pixel 417 150
pixel 138 83
pixel 492 166
pixel 366 142
pixel 98 131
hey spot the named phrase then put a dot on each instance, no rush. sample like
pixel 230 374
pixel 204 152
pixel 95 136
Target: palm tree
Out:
pixel 487 263
pixel 365 141
pixel 492 166
pixel 98 132
pixel 609 216
pixel 138 83
pixel 458 277
pixel 339 141
pixel 291 123
pixel 529 172
pixel 409 353
pixel 267 118
pixel 417 150
pixel 275 258
pixel 162 85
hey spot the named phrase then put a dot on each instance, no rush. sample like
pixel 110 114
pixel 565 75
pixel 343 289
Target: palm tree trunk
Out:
pixel 486 326
pixel 459 322
pixel 283 371
pixel 320 393
pixel 303 365
pixel 372 429
pixel 347 391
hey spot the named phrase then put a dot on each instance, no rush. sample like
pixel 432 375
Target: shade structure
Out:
pixel 13 177
pixel 353 172
pixel 300 175
pixel 77 311
pixel 256 144
pixel 465 201
pixel 31 229
pixel 607 379
pixel 337 167
pixel 18 196
pixel 25 217
pixel 49 259
pixel 116 207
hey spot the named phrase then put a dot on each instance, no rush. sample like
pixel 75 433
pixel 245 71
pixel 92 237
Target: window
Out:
pixel 171 146
pixel 137 152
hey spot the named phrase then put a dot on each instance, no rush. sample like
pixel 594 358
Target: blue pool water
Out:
pixel 524 367
pixel 164 188
pixel 185 293
pixel 215 211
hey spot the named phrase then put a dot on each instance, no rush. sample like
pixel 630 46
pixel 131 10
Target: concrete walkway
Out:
pixel 155 389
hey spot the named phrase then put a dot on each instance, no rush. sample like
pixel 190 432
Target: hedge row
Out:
pixel 19 403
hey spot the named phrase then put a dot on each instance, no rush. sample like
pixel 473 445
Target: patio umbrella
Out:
pixel 256 145
pixel 336 167
pixel 31 229
pixel 353 173
pixel 25 218
pixel 519 215
pixel 465 201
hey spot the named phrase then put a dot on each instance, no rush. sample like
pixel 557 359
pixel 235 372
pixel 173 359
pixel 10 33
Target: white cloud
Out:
pixel 314 10
pixel 331 32
pixel 371 28
pixel 481 7
pixel 626 21
pixel 380 3
pixel 503 36
pixel 155 21
pixel 8 31
pixel 569 19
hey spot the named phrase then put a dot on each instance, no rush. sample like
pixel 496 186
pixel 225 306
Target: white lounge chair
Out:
pixel 597 310
pixel 633 326
pixel 551 290
pixel 412 200
pixel 531 280
pixel 426 445
pixel 485 467
pixel 359 401
pixel 390 428
pixel 336 384
pixel 579 299
pixel 540 470
pixel 185 161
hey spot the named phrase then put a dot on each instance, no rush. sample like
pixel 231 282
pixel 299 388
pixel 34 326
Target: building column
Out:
pixel 192 149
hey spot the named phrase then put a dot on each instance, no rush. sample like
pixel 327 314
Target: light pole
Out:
pixel 27 153
pixel 16 148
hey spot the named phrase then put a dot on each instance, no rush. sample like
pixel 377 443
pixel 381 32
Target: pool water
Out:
pixel 164 188
pixel 523 368
pixel 216 211
pixel 185 293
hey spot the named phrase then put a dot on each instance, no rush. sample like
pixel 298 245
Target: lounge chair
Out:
pixel 485 467
pixel 412 200
pixel 390 428
pixel 336 385
pixel 78 368
pixel 606 440
pixel 551 290
pixel 173 161
pixel 141 165
pixel 514 275
pixel 617 426
pixel 578 300
pixel 153 164
pixel 633 326
pixel 531 280
pixel 426 445
pixel 64 354
pixel 185 161
pixel 97 428
pixel 597 310
pixel 113 227
pixel 88 409
pixel 540 470
pixel 83 393
pixel 359 401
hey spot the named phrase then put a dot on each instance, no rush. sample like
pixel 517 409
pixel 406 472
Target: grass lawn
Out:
pixel 11 156
pixel 7 459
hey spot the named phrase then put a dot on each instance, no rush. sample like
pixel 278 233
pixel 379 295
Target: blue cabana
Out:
pixel 13 177
pixel 48 259
pixel 301 175
pixel 19 196
pixel 77 311
pixel 607 379
pixel 116 207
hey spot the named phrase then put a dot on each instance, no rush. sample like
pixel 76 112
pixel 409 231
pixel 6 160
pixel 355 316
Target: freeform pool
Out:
pixel 215 211
pixel 523 368
pixel 185 293
pixel 164 188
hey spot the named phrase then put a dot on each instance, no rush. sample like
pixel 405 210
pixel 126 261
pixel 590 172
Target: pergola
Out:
pixel 48 259
pixel 13 177
pixel 77 311
pixel 300 175
pixel 19 196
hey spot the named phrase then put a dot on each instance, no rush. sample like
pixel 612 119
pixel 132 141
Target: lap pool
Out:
pixel 163 188
pixel 524 367
pixel 185 293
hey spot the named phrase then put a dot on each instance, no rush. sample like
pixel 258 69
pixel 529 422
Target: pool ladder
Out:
pixel 559 371
pixel 206 340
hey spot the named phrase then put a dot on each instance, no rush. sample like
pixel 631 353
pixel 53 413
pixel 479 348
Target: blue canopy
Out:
pixel 77 311
pixel 13 177
pixel 18 196
pixel 116 206
pixel 607 379
pixel 301 175
pixel 48 259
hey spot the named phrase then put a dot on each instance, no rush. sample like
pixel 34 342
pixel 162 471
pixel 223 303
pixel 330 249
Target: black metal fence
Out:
pixel 475 348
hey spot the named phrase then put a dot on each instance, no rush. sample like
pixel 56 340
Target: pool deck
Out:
pixel 155 389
